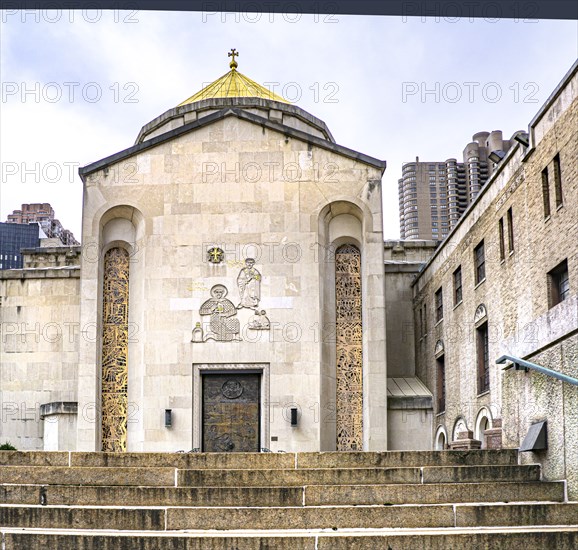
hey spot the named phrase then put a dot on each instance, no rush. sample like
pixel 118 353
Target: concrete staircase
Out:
pixel 394 500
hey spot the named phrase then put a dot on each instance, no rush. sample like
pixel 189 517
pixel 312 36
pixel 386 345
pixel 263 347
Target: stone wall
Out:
pixel 534 397
pixel 403 261
pixel 48 256
pixel 40 332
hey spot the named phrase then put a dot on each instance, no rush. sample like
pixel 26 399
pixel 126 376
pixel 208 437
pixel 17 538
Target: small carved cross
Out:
pixel 215 255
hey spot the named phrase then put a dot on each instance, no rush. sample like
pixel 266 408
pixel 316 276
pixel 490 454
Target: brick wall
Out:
pixel 515 291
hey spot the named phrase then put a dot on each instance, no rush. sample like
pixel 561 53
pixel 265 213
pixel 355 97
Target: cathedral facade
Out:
pixel 229 292
pixel 240 250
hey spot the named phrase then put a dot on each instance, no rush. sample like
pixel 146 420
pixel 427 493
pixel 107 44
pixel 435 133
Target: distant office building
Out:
pixel 43 214
pixel 15 237
pixel 434 195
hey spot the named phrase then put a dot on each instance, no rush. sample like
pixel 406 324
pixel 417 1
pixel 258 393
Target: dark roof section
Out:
pixel 218 103
pixel 243 115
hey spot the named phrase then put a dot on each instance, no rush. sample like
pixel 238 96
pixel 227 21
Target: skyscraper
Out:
pixel 434 195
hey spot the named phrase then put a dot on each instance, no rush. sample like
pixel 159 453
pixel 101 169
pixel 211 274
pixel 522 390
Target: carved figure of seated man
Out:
pixel 224 326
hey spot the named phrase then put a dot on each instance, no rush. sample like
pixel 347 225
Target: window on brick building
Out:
pixel 558 181
pixel 457 285
pixel 501 239
pixel 558 284
pixel 441 384
pixel 483 358
pixel 546 192
pixel 480 262
pixel 425 319
pixel 510 230
pixel 421 332
pixel 439 301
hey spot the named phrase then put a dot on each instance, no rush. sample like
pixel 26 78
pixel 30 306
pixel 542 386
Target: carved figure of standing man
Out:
pixel 249 283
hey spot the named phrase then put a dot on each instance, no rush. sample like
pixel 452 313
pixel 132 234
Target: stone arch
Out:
pixel 124 211
pixel 439 349
pixel 441 438
pixel 349 221
pixel 340 224
pixel 120 235
pixel 460 425
pixel 480 315
pixel 484 421
pixel 323 214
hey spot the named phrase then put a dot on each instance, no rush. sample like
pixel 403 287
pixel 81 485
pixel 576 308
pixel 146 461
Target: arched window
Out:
pixel 349 380
pixel 114 361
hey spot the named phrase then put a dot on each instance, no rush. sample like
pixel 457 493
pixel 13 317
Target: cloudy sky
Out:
pixel 78 86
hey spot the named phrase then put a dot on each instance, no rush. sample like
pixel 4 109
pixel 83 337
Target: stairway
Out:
pixel 324 501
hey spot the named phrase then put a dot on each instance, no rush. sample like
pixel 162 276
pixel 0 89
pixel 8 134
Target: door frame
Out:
pixel 238 368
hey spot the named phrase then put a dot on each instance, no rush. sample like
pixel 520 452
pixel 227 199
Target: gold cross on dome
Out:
pixel 233 53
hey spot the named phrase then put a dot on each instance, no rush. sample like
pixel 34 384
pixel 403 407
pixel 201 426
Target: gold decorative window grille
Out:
pixel 349 379
pixel 115 350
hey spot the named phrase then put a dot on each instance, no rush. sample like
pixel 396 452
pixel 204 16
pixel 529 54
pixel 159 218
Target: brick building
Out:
pixel 505 282
pixel 43 214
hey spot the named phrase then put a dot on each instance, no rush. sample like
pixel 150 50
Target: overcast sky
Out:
pixel 77 87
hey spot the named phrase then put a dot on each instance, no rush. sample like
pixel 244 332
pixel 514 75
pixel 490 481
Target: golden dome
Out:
pixel 233 84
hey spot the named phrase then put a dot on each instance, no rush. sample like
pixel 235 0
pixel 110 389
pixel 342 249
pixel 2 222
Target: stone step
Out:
pixel 371 517
pixel 152 496
pixel 64 475
pixel 356 476
pixel 283 518
pixel 315 495
pixel 288 478
pixel 440 539
pixel 190 461
pixel 155 477
pixel 390 459
pixel 462 474
pixel 517 514
pixel 78 517
pixel 276 461
pixel 34 458
pixel 334 495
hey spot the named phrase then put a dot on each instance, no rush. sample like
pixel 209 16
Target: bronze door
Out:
pixel 231 412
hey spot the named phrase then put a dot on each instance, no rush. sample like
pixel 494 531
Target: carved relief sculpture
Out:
pixel 249 283
pixel 198 334
pixel 224 326
pixel 349 383
pixel 259 321
pixel 215 255
pixel 114 366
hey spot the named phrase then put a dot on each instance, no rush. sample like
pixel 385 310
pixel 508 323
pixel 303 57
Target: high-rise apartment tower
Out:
pixel 434 195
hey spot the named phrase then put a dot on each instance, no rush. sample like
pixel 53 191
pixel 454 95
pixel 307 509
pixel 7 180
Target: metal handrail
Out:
pixel 518 364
